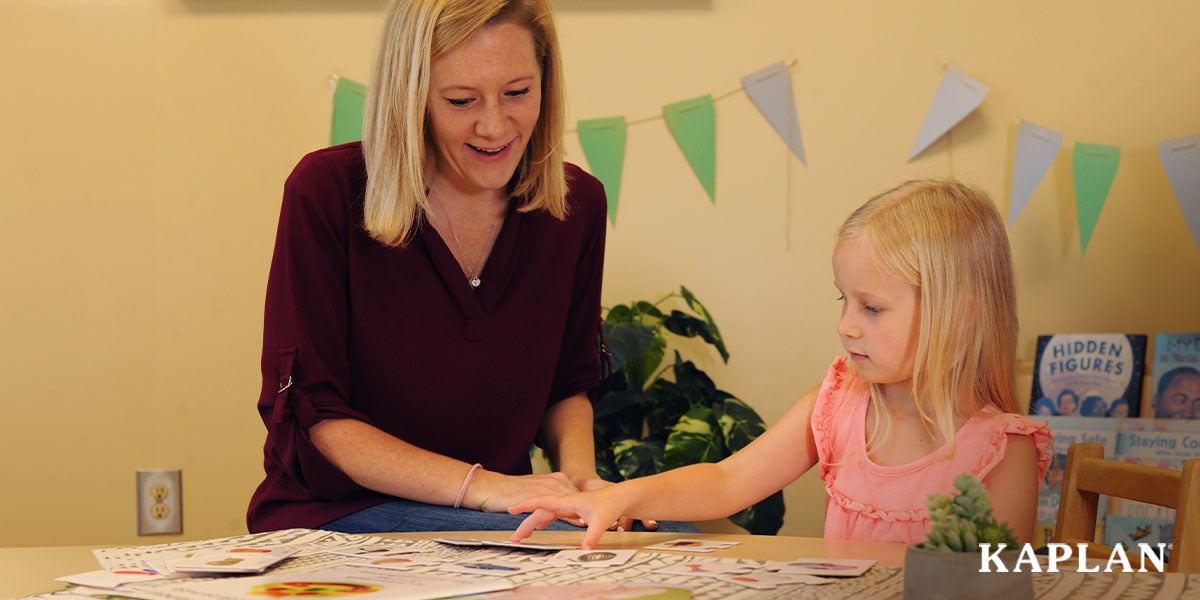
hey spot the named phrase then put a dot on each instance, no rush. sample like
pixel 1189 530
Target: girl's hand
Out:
pixel 495 492
pixel 592 508
pixel 623 523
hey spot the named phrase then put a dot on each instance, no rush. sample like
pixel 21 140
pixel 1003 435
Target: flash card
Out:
pixel 705 569
pixel 402 563
pixel 503 544
pixel 499 568
pixel 232 560
pixel 765 580
pixel 687 545
pixel 375 550
pixel 590 558
pixel 824 567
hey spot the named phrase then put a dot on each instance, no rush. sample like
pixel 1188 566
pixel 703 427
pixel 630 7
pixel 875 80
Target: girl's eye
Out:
pixel 841 298
pixel 518 93
pixel 872 309
pixel 458 102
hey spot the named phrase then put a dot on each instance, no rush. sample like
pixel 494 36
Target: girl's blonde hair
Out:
pixel 948 239
pixel 397 144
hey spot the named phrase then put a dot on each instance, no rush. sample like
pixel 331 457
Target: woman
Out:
pixel 434 297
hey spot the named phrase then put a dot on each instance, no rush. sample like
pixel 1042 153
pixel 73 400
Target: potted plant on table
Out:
pixel 949 564
pixel 652 418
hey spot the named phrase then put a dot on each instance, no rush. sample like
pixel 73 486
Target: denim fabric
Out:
pixel 406 515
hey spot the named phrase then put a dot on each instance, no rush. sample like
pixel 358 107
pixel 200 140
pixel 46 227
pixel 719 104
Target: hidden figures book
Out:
pixel 1088 374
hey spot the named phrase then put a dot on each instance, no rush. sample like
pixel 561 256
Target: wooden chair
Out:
pixel 1088 474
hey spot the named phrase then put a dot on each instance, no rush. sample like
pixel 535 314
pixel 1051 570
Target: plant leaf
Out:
pixel 694 439
pixel 620 313
pixel 627 341
pixel 616 402
pixel 637 350
pixel 739 423
pixel 763 518
pixel 638 458
pixel 647 314
pixel 663 410
pixel 686 325
pixel 695 385
pixel 698 308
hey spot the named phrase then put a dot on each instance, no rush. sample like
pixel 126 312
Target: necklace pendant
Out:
pixel 475 282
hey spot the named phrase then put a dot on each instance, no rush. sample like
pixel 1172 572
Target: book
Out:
pixel 1067 431
pixel 1175 388
pixel 1088 374
pixel 1162 443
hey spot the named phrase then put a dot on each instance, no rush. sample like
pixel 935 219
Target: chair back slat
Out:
pixel 1088 475
pixel 1127 480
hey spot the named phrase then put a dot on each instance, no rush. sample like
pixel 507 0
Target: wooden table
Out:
pixel 28 571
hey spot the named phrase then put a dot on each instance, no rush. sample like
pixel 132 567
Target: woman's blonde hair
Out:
pixel 947 239
pixel 397 144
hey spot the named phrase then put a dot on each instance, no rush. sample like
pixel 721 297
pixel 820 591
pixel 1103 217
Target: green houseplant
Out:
pixel 949 564
pixel 653 417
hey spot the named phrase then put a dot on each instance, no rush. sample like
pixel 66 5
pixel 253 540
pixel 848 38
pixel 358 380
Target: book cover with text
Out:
pixel 1088 375
pixel 1067 431
pixel 1175 373
pixel 1162 443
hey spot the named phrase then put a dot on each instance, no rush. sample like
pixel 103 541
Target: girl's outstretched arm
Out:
pixel 1013 487
pixel 693 493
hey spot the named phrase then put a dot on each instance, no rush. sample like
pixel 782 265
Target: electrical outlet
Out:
pixel 159 501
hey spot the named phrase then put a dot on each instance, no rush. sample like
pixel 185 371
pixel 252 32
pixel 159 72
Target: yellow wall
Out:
pixel 143 144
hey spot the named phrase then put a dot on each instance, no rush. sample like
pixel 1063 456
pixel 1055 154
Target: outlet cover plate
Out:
pixel 159 501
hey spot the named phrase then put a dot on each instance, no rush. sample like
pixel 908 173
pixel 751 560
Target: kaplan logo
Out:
pixel 1118 561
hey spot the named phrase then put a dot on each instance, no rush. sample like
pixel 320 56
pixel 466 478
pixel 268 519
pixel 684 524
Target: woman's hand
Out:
pixel 490 491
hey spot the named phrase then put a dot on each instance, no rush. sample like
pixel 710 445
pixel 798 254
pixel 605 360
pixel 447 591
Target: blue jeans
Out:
pixel 406 515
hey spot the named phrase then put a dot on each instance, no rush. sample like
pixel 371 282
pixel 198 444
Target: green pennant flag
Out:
pixel 603 142
pixel 1095 167
pixel 693 124
pixel 348 100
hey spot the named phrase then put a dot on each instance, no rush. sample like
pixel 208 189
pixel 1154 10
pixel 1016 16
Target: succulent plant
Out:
pixel 960 523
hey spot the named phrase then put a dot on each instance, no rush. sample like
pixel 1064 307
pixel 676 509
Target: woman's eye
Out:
pixel 518 93
pixel 459 102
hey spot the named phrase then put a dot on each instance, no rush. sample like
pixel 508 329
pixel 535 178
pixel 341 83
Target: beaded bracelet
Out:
pixel 463 490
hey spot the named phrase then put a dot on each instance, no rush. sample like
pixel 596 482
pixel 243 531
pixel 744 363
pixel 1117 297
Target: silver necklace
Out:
pixel 472 278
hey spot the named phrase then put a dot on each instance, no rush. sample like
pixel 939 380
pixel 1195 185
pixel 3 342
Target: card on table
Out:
pixel 503 544
pixel 501 568
pixel 766 580
pixel 689 545
pixel 824 567
pixel 402 563
pixel 704 569
pixel 232 560
pixel 590 558
pixel 375 550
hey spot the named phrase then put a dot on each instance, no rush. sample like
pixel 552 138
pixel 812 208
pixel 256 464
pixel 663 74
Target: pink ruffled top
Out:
pixel 868 501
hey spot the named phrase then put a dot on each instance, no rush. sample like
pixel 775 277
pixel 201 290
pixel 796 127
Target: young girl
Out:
pixel 929 324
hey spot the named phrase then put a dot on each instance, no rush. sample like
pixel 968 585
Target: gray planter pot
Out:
pixel 937 575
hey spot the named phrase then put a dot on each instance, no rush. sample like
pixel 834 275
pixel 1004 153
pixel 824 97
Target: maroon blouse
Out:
pixel 397 338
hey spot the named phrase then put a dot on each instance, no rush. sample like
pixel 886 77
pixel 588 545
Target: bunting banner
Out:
pixel 771 91
pixel 603 142
pixel 1095 167
pixel 693 124
pixel 349 97
pixel 1180 157
pixel 957 96
pixel 1037 148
